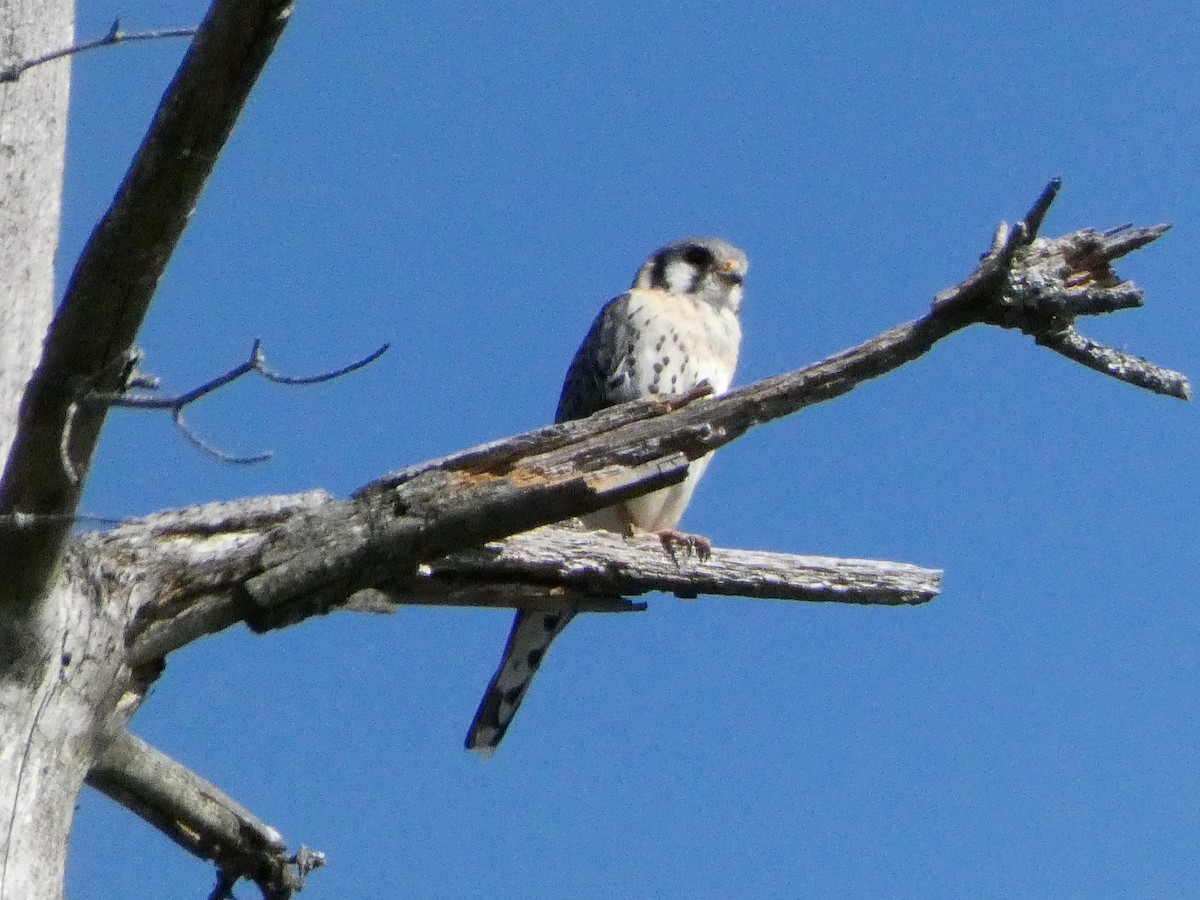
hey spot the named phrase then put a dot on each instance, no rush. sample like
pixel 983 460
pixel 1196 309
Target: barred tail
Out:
pixel 528 641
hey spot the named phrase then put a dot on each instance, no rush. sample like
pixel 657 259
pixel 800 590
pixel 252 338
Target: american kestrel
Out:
pixel 676 327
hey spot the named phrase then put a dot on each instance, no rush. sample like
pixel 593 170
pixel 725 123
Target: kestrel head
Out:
pixel 704 267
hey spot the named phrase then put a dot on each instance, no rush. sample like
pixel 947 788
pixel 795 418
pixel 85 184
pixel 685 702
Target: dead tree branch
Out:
pixel 256 363
pixel 199 562
pixel 479 495
pixel 114 36
pixel 607 563
pixel 198 816
pixel 312 561
pixel 194 564
pixel 114 281
pixel 451 531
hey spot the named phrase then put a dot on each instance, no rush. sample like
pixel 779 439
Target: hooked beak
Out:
pixel 730 272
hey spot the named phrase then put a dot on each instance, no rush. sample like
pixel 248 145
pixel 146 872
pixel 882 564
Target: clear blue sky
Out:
pixel 471 182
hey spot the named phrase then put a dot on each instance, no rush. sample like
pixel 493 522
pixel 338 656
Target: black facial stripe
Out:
pixel 658 274
pixel 701 262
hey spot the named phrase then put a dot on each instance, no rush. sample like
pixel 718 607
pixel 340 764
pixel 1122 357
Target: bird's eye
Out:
pixel 700 257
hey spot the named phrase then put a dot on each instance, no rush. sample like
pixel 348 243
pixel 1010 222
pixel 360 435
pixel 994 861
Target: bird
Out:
pixel 676 328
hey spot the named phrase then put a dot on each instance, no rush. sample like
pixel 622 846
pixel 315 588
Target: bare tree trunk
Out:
pixel 50 696
pixel 33 133
pixel 44 719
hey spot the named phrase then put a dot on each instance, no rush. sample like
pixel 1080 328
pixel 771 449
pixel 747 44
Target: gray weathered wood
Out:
pixel 43 732
pixel 193 812
pixel 197 566
pixel 65 682
pixel 608 563
pixel 182 574
pixel 33 131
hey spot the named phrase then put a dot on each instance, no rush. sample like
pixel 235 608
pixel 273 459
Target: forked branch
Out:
pixel 256 363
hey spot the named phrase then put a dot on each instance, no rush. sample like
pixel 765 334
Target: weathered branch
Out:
pixel 198 563
pixel 1077 269
pixel 483 494
pixel 198 816
pixel 607 563
pixel 193 569
pixel 1116 363
pixel 114 281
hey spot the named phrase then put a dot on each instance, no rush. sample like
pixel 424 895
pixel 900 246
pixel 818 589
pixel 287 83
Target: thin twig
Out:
pixel 64 445
pixel 213 452
pixel 115 278
pixel 279 378
pixel 256 363
pixel 114 36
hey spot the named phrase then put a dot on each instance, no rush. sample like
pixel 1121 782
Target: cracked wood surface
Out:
pixel 197 563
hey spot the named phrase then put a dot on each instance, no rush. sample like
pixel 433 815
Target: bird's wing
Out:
pixel 597 377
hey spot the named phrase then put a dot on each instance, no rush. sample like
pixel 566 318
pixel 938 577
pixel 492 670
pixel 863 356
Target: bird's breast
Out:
pixel 676 342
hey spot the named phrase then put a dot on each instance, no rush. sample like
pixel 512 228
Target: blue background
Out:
pixel 471 182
